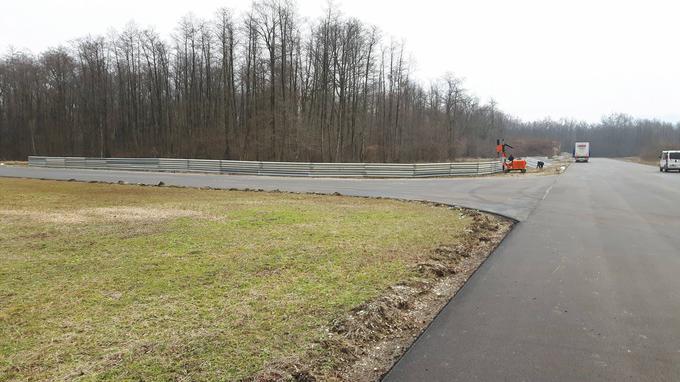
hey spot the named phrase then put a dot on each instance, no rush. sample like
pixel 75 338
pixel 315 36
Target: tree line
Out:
pixel 616 135
pixel 263 86
pixel 268 85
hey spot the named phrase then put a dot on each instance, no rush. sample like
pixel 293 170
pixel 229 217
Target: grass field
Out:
pixel 118 282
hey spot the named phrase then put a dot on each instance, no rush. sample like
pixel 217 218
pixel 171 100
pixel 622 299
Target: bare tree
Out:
pixel 267 86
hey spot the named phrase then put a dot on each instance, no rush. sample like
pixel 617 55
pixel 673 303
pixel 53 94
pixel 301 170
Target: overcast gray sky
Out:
pixel 575 59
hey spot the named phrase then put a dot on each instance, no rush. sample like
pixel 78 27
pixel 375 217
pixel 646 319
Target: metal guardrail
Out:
pixel 298 169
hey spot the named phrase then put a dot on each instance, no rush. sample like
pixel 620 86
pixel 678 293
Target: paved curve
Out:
pixel 514 196
pixel 586 289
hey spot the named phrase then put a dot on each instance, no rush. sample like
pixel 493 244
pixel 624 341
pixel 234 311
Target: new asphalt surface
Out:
pixel 585 288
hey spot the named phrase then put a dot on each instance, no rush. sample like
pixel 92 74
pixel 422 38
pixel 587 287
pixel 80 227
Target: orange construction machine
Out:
pixel 509 163
pixel 514 165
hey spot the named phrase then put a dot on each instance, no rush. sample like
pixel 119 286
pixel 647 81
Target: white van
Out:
pixel 582 151
pixel 669 160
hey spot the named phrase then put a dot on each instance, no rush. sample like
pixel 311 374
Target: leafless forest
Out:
pixel 266 85
pixel 616 135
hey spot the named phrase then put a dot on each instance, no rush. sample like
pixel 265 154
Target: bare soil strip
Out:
pixel 363 345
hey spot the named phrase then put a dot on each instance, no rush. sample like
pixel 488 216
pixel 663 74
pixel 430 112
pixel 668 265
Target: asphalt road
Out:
pixel 514 196
pixel 585 288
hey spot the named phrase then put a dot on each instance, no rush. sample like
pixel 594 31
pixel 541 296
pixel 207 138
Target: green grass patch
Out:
pixel 110 282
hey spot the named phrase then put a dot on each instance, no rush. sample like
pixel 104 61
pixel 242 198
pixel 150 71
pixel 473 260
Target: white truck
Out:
pixel 582 151
pixel 669 160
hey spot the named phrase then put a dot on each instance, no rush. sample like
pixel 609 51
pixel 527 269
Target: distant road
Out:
pixel 514 196
pixel 586 289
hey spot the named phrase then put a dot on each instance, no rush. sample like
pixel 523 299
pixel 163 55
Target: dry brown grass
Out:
pixel 109 214
pixel 649 162
pixel 13 163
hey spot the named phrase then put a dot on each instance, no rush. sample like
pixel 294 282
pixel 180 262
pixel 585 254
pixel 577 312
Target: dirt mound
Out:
pixel 284 370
